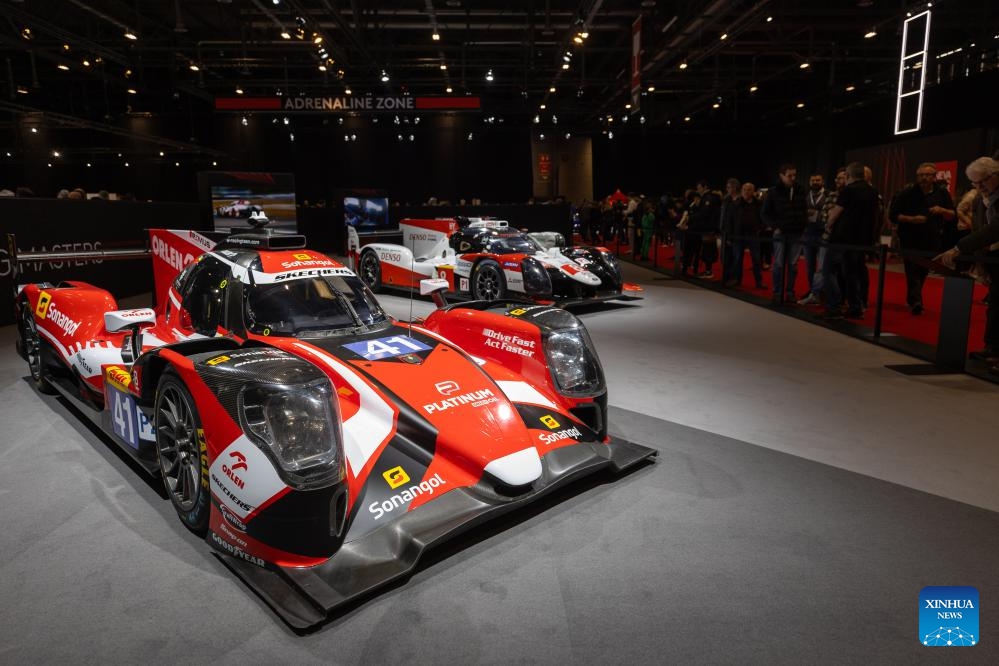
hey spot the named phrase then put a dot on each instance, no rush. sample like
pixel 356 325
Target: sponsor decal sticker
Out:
pixel 447 387
pixel 463 284
pixel 395 477
pixel 57 317
pixel 302 256
pixel 231 518
pixel 949 616
pixel 43 304
pixel 203 454
pixel 473 398
pixel 118 377
pixel 381 348
pixel 518 312
pixel 559 435
pixel 236 551
pixel 412 359
pixel 549 422
pixel 509 342
pixel 238 462
pixel 380 508
pixel 217 360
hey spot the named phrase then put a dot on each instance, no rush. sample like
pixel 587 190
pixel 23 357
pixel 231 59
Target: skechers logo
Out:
pixel 552 437
pixel 474 398
pixel 380 508
pixel 395 477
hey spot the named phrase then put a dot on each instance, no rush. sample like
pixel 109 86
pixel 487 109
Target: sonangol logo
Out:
pixel 395 477
pixel 447 387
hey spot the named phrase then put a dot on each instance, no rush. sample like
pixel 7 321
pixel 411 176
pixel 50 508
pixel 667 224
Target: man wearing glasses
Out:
pixel 984 176
pixel 919 212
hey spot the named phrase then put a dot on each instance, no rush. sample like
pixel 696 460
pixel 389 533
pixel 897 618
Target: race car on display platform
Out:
pixel 488 260
pixel 318 444
pixel 238 208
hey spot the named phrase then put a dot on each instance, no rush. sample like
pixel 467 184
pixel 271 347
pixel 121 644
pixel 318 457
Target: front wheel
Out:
pixel 488 283
pixel 370 270
pixel 34 351
pixel 182 452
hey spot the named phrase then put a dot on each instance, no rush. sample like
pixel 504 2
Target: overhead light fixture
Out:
pixel 243 121
pixel 348 91
pixel 85 63
pixel 132 91
pixel 65 47
pixel 193 67
pixel 753 88
pixel 683 65
pixel 552 89
pixel 578 39
pixel 871 34
pixel 584 35
pixel 537 119
pixel 449 90
pixel 162 153
pixel 130 35
pixel 651 88
pixel 21 90
pixel 628 105
pixel 851 88
pixel 317 38
pixel 436 37
pixel 285 34
pixel 543 107
pixel 800 105
pixel 239 90
pixel 686 119
pixel 26 33
pixel 126 163
pixel 723 36
pixel 385 76
pixel 128 73
pixel 214 163
pixel 610 134
pixel 88 165
pixel 34 130
pixel 443 67
pixel 565 65
pixel 715 105
pixel 176 164
pixel 63 67
pixel 56 153
pixel 804 65
pixel 769 19
pixel 489 75
pixel 322 67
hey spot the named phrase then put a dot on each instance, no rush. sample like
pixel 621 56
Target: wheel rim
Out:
pixel 487 285
pixel 176 440
pixel 32 347
pixel 369 269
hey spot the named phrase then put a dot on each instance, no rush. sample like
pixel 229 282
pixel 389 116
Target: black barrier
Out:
pixel 47 225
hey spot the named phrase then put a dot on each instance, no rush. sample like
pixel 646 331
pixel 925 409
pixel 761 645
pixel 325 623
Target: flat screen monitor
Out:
pixel 366 213
pixel 236 196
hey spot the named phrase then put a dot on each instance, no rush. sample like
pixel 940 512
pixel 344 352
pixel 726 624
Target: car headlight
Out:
pixel 611 261
pixel 298 427
pixel 536 278
pixel 573 362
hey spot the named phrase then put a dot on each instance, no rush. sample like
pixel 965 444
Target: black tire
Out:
pixel 488 282
pixel 34 351
pixel 181 452
pixel 369 269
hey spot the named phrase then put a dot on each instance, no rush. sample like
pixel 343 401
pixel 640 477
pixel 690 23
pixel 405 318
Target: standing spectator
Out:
pixel 852 220
pixel 984 176
pixel 729 212
pixel 784 210
pixel 919 211
pixel 704 219
pixel 746 229
pixel 816 198
pixel 648 228
pixel 814 297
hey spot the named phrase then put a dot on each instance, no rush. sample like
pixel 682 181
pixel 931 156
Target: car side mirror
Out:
pixel 435 287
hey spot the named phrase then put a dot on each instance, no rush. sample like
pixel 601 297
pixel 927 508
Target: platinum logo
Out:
pixel 474 398
pixel 427 487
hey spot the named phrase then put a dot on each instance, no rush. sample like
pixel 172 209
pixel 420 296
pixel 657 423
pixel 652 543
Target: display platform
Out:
pixel 726 550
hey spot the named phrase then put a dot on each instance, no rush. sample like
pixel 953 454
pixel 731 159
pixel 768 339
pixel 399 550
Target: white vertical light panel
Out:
pixel 908 59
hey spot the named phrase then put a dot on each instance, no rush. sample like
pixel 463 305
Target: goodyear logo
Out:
pixel 118 377
pixel 43 304
pixel 217 360
pixel 550 421
pixel 395 477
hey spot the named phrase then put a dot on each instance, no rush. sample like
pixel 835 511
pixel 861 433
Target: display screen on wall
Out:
pixel 366 213
pixel 236 196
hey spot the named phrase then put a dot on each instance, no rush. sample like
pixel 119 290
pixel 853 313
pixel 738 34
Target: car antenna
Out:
pixel 412 271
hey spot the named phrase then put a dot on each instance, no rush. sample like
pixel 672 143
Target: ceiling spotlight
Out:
pixel 285 120
pixel 126 163
pixel 449 90
pixel 285 34
pixel 686 119
pixel 443 66
pixel 276 2
pixel 130 35
pixel 851 88
pixel 565 65
pixel 176 164
pixel 568 135
pixel 489 75
pixel 641 119
pixel 132 91
pixel 63 67
pixel 86 63
pixel 610 134
pixel 412 138
pixel 715 105
pixel 543 107
pixel 724 36
pixel 322 68
pixel 317 38
pixel 584 35
pixel 753 88
pixel 471 136
pixel 88 165
pixel 770 19
pixel 567 57
pixel 552 89
pixel 348 91
pixel 652 88
pixel 244 121
pixel 214 163
pixel 800 105
pixel 804 65
pixel 26 33
pixel 50 164
pixel 578 39
pixel 436 37
pixel 683 65
pixel 65 47
pixel 21 90
pixel 128 73
pixel 239 90
pixel 193 67
pixel 385 76
pixel 161 153
pixel 34 130
pixel 537 119
pixel 628 105
pixel 56 153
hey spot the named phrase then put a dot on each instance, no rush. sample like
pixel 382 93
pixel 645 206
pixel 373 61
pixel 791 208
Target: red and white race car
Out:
pixel 489 260
pixel 319 445
pixel 238 208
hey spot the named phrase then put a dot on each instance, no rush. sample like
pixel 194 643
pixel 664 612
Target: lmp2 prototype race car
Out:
pixel 319 445
pixel 238 208
pixel 488 260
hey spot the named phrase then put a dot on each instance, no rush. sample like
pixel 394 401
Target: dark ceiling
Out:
pixel 71 59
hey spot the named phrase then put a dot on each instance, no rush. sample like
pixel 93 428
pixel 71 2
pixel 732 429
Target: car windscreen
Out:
pixel 513 244
pixel 311 306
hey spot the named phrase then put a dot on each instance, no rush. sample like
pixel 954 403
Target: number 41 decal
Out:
pixel 379 348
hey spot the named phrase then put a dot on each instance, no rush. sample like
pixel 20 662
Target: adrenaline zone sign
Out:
pixel 319 104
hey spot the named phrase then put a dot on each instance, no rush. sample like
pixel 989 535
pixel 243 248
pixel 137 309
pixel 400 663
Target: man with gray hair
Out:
pixel 984 176
pixel 919 211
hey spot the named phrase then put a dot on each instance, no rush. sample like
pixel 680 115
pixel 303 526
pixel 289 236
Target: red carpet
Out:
pixel 896 318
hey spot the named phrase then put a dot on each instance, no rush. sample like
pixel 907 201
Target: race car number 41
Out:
pixel 127 421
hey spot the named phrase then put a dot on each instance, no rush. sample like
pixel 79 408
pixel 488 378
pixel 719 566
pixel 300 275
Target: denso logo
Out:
pixel 473 398
pixel 231 471
pixel 62 320
pixel 170 255
pixel 390 256
pixel 552 437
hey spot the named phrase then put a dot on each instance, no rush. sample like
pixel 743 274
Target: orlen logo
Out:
pixel 446 388
pixel 170 255
pixel 395 477
pixel 231 471
pixel 43 304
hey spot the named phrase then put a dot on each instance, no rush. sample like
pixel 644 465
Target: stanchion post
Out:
pixel 879 300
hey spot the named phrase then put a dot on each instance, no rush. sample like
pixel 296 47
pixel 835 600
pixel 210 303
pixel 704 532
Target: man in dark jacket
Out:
pixel 984 176
pixel 745 231
pixel 919 212
pixel 784 210
pixel 704 222
pixel 852 220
